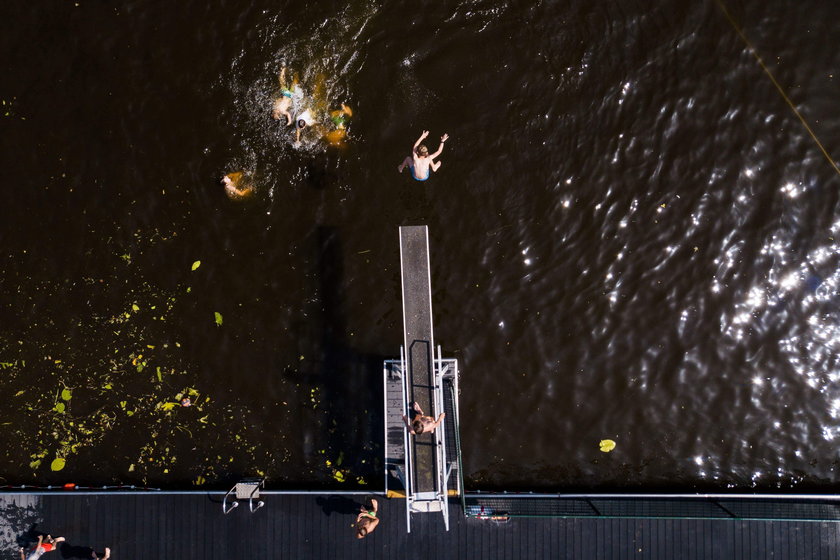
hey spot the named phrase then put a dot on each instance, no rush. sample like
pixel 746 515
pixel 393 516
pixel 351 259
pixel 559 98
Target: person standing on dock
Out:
pixel 367 520
pixel 422 424
pixel 420 162
pixel 44 545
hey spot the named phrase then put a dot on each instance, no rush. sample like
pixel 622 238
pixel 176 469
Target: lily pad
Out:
pixel 66 394
pixel 218 319
pixel 59 407
pixel 606 445
pixel 58 463
pixel 196 264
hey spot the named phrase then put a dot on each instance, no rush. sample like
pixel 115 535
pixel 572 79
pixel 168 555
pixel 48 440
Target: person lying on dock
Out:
pixel 44 545
pixel 420 162
pixel 422 424
pixel 367 521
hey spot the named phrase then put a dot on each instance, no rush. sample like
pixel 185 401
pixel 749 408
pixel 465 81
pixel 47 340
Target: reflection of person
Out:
pixel 236 185
pixel 422 424
pixel 367 520
pixel 43 546
pixel 421 163
pixel 284 102
pixel 339 118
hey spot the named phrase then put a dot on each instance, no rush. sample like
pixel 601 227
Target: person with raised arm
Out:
pixel 420 161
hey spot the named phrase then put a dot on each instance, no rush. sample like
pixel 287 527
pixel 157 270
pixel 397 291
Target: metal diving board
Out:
pixel 422 465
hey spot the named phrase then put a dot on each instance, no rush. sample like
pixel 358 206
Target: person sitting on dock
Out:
pixel 420 162
pixel 44 545
pixel 367 520
pixel 422 424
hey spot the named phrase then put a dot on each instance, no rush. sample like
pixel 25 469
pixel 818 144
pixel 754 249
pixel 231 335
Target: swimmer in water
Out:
pixel 237 186
pixel 304 120
pixel 339 118
pixel 421 163
pixel 284 102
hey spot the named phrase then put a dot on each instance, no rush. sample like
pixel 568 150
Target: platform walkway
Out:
pixel 186 527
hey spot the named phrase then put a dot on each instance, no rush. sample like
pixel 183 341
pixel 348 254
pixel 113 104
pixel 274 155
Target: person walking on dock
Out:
pixel 44 545
pixel 422 424
pixel 367 520
pixel 420 162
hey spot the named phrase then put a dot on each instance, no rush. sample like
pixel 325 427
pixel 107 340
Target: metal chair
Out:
pixel 247 488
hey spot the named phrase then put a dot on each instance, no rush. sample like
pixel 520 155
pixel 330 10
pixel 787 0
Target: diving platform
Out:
pixel 425 468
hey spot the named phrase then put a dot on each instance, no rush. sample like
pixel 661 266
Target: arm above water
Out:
pixel 422 137
pixel 443 139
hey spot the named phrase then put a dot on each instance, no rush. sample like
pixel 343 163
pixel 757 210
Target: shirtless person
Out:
pixel 367 520
pixel 421 163
pixel 284 102
pixel 422 424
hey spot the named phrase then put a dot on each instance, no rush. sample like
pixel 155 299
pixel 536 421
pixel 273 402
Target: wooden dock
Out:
pixel 188 527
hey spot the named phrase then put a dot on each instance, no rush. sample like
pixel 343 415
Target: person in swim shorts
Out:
pixel 44 545
pixel 284 102
pixel 237 185
pixel 367 520
pixel 339 119
pixel 420 162
pixel 422 424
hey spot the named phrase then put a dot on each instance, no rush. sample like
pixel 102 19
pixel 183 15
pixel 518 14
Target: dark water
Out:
pixel 633 237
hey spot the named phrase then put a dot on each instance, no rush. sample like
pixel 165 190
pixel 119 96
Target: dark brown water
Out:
pixel 633 237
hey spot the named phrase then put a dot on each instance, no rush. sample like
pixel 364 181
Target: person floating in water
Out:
pixel 284 102
pixel 422 424
pixel 339 118
pixel 237 186
pixel 420 162
pixel 303 120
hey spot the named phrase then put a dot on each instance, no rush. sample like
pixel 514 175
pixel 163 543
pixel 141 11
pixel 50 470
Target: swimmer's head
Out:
pixel 301 123
pixel 422 150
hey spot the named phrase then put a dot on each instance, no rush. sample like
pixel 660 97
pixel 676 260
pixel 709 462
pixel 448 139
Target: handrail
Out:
pixel 440 437
pixel 385 423
pixel 406 443
pixel 233 506
pixel 456 407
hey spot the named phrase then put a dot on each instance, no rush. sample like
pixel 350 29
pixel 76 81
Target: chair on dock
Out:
pixel 245 489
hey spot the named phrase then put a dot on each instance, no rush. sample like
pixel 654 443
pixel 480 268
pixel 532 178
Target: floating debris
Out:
pixel 606 445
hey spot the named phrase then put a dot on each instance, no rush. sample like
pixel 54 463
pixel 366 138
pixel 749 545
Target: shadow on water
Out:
pixel 349 380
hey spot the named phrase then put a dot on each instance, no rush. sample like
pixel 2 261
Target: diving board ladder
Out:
pixel 427 467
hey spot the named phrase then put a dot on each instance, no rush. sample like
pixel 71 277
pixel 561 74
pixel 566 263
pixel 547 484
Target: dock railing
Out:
pixel 443 469
pixel 753 507
pixel 409 460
